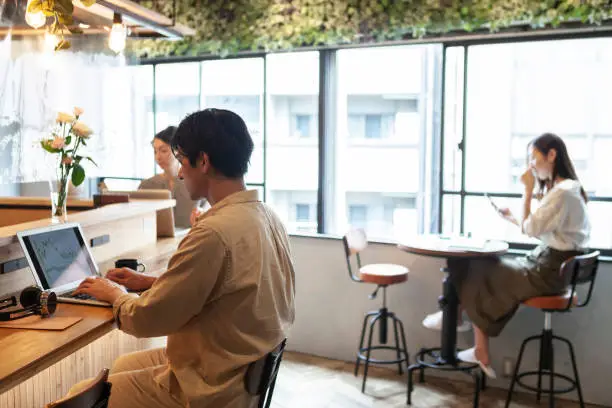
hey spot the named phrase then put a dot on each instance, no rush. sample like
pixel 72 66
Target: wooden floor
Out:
pixel 314 382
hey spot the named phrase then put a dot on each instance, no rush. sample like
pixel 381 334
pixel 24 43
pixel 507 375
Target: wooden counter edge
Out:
pixel 94 216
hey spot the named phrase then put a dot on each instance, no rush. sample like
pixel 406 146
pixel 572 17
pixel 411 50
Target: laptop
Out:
pixel 60 260
pixel 165 217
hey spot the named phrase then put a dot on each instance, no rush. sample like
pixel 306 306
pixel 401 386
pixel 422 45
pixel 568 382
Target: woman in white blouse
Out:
pixel 490 291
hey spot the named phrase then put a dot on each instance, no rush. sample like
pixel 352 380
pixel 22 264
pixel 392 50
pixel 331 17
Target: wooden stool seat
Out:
pixel 383 274
pixel 556 302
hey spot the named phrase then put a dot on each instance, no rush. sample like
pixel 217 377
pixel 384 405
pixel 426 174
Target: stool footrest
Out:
pixel 546 374
pixel 431 358
pixel 402 352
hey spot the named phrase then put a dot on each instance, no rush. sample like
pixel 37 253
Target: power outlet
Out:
pixel 508 367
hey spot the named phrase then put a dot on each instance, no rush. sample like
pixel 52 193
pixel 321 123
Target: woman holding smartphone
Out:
pixel 491 290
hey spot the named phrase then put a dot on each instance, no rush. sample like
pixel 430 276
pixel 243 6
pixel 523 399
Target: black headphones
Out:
pixel 34 301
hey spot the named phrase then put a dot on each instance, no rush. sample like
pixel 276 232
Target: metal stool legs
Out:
pixel 381 318
pixel 546 368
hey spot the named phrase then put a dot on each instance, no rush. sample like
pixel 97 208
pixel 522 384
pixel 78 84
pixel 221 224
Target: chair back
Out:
pixel 354 242
pixel 96 395
pixel 260 377
pixel 581 270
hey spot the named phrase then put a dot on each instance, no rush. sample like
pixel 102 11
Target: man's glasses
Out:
pixel 179 155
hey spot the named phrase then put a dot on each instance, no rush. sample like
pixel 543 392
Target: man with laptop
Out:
pixel 227 296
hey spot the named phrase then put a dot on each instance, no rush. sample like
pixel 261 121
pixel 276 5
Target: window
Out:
pixel 237 85
pixel 373 125
pixel 292 156
pixel 358 216
pixel 379 147
pixel 176 93
pixel 302 212
pixel 303 126
pixel 514 93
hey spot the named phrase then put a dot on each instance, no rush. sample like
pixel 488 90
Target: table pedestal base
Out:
pixel 431 358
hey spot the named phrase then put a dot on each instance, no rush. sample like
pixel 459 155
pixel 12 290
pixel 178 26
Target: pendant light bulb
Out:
pixel 118 34
pixel 35 20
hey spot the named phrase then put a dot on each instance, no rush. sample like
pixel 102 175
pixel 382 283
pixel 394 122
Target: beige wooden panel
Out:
pixel 54 382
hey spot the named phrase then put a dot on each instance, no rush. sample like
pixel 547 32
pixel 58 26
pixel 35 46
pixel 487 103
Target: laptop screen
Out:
pixel 59 256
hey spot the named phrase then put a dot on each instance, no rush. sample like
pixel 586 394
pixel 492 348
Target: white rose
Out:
pixel 64 118
pixel 82 130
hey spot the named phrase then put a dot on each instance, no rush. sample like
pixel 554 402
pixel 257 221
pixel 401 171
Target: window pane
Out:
pixel 453 117
pixel 451 215
pixel 292 156
pixel 237 85
pixel 126 120
pixel 384 123
pixel 176 93
pixel 601 224
pixel 516 92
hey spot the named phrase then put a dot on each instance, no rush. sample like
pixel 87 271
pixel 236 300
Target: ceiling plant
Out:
pixel 228 26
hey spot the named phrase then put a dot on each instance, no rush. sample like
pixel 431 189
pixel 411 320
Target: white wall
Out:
pixel 330 308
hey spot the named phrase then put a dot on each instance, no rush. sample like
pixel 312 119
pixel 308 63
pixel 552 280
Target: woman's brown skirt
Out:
pixel 490 290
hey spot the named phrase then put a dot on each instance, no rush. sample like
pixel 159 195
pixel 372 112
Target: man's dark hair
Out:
pixel 219 133
pixel 166 135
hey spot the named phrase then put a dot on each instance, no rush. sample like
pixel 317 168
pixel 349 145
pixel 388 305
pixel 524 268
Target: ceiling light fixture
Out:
pixel 118 34
pixel 36 19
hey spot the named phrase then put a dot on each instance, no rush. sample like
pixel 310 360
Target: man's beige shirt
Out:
pixel 226 300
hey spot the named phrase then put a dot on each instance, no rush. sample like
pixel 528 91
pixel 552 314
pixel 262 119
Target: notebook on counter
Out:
pixel 60 260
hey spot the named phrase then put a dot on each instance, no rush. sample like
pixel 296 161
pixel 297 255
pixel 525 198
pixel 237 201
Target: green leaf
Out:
pixel 48 147
pixel 83 142
pixel 68 140
pixel 78 175
pixel 62 45
pixel 91 160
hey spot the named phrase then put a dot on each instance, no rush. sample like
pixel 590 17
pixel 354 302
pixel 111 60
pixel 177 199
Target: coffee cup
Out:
pixel 130 263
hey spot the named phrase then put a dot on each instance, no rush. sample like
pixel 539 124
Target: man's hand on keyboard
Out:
pixel 131 279
pixel 100 288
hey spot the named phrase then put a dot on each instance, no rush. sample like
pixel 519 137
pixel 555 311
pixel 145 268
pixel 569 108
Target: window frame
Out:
pixel 462 192
pixel 325 121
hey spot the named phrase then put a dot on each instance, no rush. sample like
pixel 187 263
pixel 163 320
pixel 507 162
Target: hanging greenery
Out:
pixel 228 26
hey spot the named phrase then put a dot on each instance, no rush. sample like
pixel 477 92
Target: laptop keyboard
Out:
pixel 81 296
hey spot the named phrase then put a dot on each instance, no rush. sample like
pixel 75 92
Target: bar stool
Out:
pixel 382 275
pixel 581 270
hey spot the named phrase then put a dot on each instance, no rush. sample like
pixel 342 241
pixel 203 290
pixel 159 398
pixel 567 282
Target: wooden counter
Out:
pixel 26 352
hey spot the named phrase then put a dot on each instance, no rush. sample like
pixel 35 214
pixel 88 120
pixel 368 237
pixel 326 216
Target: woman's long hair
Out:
pixel 562 167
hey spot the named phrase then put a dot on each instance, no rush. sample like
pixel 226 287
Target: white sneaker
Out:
pixel 434 322
pixel 469 356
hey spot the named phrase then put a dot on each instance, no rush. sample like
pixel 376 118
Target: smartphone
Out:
pixel 492 203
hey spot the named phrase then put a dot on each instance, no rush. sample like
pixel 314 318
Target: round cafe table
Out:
pixel 457 251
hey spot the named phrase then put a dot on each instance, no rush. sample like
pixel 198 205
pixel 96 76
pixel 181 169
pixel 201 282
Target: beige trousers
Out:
pixel 132 382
